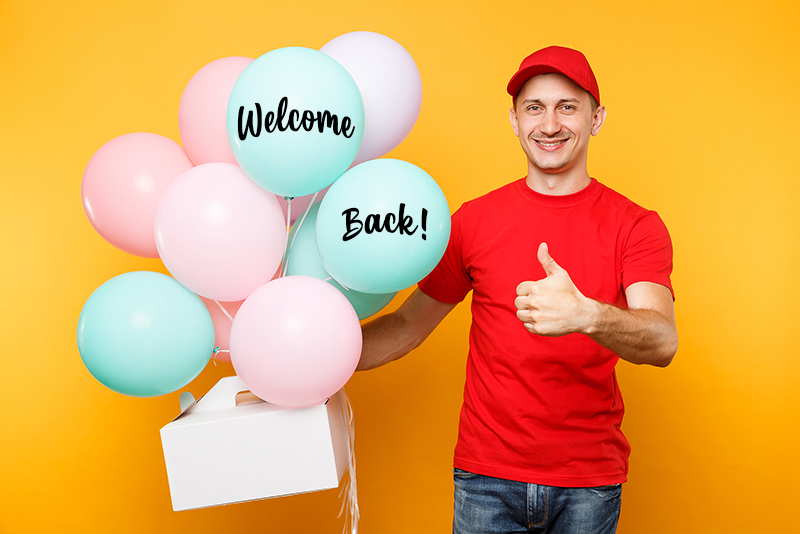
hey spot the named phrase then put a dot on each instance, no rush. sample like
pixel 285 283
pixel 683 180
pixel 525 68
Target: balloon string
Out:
pixel 228 315
pixel 350 505
pixel 214 353
pixel 289 246
pixel 286 243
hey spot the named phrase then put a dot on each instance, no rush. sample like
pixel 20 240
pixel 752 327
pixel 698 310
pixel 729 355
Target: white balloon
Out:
pixel 390 86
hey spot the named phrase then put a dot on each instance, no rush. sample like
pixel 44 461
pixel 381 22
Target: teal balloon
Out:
pixel 382 226
pixel 303 259
pixel 143 334
pixel 295 121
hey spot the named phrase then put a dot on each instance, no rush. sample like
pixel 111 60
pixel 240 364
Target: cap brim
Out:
pixel 523 75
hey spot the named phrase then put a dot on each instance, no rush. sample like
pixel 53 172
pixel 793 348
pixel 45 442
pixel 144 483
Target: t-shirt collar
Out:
pixel 560 201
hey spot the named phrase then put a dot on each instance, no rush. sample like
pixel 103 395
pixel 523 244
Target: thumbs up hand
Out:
pixel 552 306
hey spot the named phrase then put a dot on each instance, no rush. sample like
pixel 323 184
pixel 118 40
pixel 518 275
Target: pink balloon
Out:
pixel 295 341
pixel 204 104
pixel 218 233
pixel 123 183
pixel 222 325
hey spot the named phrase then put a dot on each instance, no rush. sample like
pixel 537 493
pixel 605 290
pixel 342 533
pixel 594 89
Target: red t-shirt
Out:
pixel 544 410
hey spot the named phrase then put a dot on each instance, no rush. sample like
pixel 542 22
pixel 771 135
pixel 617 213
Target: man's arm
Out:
pixel 394 335
pixel 644 333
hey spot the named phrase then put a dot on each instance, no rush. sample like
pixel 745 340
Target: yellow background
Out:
pixel 702 127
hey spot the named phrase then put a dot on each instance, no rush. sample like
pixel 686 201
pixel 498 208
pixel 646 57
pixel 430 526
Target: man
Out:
pixel 567 276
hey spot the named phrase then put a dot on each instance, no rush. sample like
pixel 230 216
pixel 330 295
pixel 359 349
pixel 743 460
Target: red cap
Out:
pixel 559 60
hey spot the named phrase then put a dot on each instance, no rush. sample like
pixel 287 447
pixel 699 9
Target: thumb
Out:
pixel 548 263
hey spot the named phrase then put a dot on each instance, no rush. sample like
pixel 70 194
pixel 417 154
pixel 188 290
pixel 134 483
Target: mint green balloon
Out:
pixel 295 121
pixel 303 259
pixel 143 334
pixel 383 226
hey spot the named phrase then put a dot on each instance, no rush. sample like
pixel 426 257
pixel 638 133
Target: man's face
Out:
pixel 554 120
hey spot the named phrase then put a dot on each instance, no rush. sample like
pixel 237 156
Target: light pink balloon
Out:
pixel 204 104
pixel 222 325
pixel 390 86
pixel 218 233
pixel 123 183
pixel 295 341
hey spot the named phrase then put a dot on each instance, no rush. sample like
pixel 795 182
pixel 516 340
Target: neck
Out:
pixel 557 184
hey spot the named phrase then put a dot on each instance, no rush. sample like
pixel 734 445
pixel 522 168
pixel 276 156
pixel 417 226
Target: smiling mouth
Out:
pixel 550 144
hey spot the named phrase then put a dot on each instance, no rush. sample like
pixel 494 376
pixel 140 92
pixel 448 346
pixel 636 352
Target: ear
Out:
pixel 512 116
pixel 598 119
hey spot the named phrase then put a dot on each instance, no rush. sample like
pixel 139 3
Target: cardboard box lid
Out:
pixel 221 403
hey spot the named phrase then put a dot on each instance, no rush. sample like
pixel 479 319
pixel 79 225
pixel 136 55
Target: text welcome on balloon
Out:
pixel 275 120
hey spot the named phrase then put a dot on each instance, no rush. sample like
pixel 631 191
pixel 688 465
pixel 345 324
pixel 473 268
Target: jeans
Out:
pixel 487 505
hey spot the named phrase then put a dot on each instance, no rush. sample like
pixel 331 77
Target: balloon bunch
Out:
pixel 260 138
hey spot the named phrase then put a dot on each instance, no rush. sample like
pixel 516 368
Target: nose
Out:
pixel 550 124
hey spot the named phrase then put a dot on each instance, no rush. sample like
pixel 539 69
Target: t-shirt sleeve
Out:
pixel 449 281
pixel 648 253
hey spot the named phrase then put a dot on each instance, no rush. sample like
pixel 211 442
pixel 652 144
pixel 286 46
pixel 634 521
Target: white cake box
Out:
pixel 218 452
